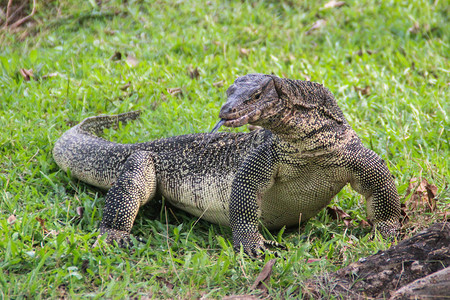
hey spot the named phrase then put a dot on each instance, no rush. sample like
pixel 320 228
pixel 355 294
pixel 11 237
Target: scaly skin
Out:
pixel 284 173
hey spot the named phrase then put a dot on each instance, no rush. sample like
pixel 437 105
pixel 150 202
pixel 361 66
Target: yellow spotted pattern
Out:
pixel 277 176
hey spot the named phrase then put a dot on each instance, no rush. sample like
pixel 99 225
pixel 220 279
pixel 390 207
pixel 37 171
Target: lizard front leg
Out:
pixel 253 177
pixel 135 185
pixel 372 179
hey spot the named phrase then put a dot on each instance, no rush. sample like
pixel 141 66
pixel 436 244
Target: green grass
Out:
pixel 46 252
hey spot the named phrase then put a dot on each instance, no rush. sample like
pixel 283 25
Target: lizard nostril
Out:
pixel 227 109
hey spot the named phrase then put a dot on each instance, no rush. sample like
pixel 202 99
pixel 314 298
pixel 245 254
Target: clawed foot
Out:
pixel 256 246
pixel 122 238
pixel 389 230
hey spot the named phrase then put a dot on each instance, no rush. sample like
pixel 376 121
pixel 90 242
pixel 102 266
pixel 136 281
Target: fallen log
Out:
pixel 384 274
pixel 433 286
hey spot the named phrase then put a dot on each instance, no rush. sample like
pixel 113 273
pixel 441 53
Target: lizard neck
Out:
pixel 307 131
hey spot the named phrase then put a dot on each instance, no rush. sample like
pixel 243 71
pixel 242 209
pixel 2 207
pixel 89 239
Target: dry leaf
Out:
pixel 415 29
pixel 263 277
pixel 423 194
pixel 404 218
pixel 126 86
pixel 80 211
pixel 193 72
pixel 318 24
pixel 364 224
pixel 364 91
pixel 132 61
pixel 338 214
pixel 244 52
pixel 334 3
pixel 26 74
pixel 42 223
pixel 218 83
pixel 12 219
pixel 174 91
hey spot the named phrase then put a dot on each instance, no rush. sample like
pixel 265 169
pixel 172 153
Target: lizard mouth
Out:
pixel 232 122
pixel 237 119
pixel 242 117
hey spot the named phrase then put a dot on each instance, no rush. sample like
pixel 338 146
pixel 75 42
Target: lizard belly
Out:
pixel 206 197
pixel 290 201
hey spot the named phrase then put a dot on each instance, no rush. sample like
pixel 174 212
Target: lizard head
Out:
pixel 250 98
pixel 259 99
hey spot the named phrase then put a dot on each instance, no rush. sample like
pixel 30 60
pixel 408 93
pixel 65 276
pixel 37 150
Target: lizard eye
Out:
pixel 253 97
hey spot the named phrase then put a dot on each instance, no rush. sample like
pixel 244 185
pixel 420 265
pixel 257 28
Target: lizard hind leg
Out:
pixel 135 186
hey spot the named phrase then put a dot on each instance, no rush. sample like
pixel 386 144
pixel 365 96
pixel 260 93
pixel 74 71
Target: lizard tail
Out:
pixel 96 124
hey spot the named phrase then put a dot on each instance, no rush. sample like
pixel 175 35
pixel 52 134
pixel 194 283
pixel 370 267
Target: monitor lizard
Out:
pixel 305 153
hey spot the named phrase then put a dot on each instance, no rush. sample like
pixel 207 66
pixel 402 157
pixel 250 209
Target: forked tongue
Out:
pixel 218 125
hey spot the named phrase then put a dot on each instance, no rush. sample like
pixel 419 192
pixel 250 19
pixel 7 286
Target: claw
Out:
pixel 274 244
pixel 122 238
pixel 257 247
